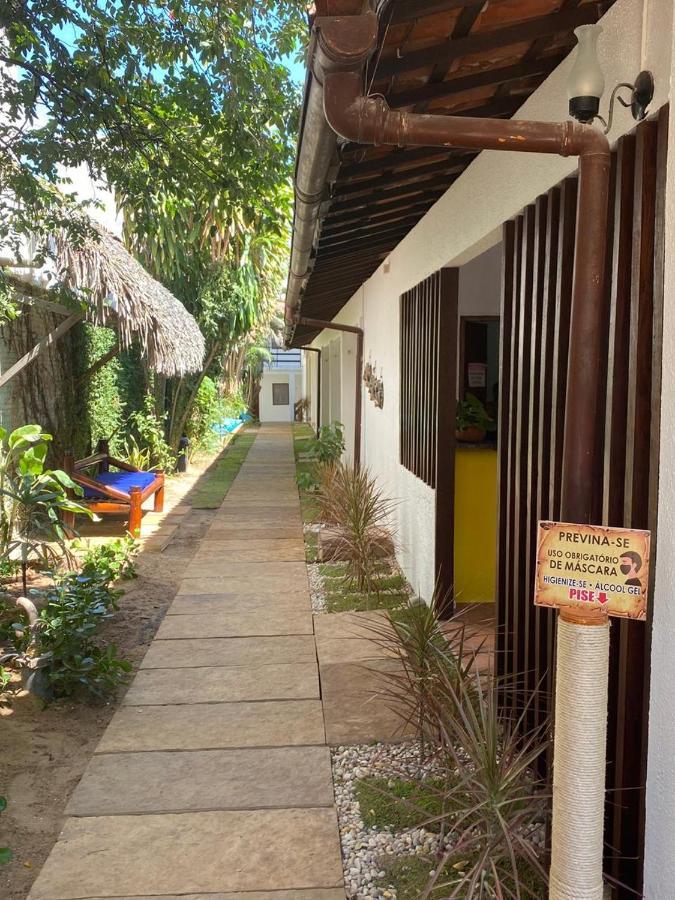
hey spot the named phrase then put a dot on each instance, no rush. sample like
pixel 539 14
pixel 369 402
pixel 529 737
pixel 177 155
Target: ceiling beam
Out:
pixel 410 10
pixel 487 77
pixel 358 236
pixel 397 158
pixel 521 32
pixel 422 186
pixel 405 176
pixel 355 218
pixel 369 207
pixel 387 243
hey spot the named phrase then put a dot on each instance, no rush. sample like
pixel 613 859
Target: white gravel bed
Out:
pixel 363 848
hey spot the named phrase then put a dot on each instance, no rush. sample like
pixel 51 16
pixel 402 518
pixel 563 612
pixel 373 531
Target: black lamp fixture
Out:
pixel 586 83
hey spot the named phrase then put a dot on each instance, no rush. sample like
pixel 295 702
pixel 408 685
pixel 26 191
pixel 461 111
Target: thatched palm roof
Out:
pixel 120 293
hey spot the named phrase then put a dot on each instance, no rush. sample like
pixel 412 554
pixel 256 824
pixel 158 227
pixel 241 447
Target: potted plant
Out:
pixel 473 421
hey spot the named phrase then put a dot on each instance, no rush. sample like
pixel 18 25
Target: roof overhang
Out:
pixel 355 203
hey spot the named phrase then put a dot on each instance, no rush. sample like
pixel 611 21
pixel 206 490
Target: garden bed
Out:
pixel 45 749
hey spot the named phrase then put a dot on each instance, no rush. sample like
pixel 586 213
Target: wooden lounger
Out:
pixel 109 492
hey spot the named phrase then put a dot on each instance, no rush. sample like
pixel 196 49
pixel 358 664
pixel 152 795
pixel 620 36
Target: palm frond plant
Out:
pixel 31 499
pixel 352 500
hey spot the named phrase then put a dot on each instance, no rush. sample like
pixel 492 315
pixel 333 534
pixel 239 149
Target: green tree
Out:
pixel 188 97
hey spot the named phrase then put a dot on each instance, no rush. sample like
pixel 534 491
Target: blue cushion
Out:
pixel 121 481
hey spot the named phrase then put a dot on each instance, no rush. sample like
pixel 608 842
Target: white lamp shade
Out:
pixel 586 78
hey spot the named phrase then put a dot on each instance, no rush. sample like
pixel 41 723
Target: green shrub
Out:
pixel 31 500
pixel 145 440
pixel 209 409
pixel 63 636
pixel 329 446
pixel 5 852
pixel 115 559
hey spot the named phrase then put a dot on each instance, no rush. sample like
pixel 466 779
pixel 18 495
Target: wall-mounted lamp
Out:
pixel 586 83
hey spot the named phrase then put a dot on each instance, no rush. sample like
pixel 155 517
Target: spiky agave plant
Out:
pixel 355 503
pixel 494 803
pixel 425 647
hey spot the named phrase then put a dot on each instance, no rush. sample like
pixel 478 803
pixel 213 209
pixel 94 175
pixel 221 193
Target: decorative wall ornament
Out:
pixel 374 384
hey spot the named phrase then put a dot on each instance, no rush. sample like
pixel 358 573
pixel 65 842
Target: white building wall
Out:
pixel 467 221
pixel 268 411
pixel 638 34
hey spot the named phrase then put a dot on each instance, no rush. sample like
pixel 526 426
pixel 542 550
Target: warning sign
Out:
pixel 589 565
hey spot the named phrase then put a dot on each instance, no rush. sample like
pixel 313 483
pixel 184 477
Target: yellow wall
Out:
pixel 475 524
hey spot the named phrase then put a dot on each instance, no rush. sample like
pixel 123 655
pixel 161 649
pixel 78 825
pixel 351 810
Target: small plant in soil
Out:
pixel 352 500
pixel 54 644
pixel 5 852
pixel 113 560
pixel 31 500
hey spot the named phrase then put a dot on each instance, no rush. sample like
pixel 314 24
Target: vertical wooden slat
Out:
pixel 630 696
pixel 511 452
pixel 521 498
pixel 550 275
pixel 619 337
pixel 507 309
pixel 531 674
pixel 448 294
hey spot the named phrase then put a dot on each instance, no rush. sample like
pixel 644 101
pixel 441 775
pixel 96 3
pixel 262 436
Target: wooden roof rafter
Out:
pixel 480 58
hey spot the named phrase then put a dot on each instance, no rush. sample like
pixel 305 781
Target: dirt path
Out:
pixel 45 750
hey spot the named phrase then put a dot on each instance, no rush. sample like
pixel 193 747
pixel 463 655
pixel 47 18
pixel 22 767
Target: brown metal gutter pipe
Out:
pixel 317 350
pixel 350 329
pixel 369 120
pixel 316 151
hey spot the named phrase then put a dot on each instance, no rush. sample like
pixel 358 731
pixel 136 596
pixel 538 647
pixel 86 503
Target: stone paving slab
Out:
pixel 196 780
pixel 355 712
pixel 249 600
pixel 256 651
pixel 193 853
pixel 237 550
pixel 257 621
pixel 299 681
pixel 264 589
pixel 245 574
pixel 313 894
pixel 349 625
pixel 255 533
pixel 271 514
pixel 215 725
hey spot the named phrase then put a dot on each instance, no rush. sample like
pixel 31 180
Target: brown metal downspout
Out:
pixel 317 350
pixel 369 120
pixel 350 329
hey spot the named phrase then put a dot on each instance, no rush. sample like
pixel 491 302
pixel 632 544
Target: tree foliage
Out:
pixel 183 100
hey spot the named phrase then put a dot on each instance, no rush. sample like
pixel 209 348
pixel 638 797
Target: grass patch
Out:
pixel 408 875
pixel 354 602
pixel 397 803
pixel 311 546
pixel 217 480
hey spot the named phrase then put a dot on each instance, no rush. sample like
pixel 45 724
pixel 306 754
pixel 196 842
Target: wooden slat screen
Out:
pixel 536 297
pixel 428 397
pixel 420 323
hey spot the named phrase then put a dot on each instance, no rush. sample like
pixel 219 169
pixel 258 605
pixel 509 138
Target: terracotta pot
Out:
pixel 473 434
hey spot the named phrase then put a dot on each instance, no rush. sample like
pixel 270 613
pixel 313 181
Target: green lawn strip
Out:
pixel 354 602
pixel 398 803
pixel 218 479
pixel 311 546
pixel 409 876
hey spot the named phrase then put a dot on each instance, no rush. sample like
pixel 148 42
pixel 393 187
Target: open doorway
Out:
pixel 475 451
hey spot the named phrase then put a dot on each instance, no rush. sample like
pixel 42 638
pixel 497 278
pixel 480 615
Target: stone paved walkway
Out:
pixel 213 780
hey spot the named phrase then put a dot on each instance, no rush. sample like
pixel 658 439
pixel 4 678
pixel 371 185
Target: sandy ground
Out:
pixel 44 750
